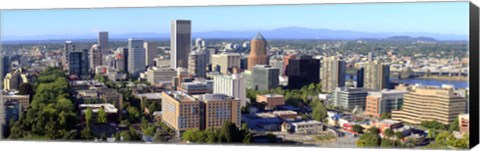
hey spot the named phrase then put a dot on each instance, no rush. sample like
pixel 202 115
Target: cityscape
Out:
pixel 276 87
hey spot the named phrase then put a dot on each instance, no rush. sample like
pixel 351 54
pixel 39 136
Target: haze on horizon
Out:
pixel 424 17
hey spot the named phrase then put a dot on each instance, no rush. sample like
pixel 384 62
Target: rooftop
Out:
pixel 109 108
pixel 150 96
pixel 258 36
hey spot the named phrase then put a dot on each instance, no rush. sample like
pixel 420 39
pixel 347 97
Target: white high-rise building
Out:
pixel 232 85
pixel 96 57
pixel 136 57
pixel 68 47
pixel 150 52
pixel 199 43
pixel 103 41
pixel 180 43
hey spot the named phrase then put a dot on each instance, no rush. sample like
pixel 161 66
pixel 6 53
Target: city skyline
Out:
pixel 370 17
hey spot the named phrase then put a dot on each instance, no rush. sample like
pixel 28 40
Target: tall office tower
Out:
pixel 151 52
pixel 136 57
pixel 85 65
pixel 383 102
pixel 377 75
pixel 5 67
pixel 75 63
pixel 210 52
pixel 109 60
pixel 264 78
pixel 122 59
pixel 232 85
pixel 430 103
pixel 302 70
pixel 96 57
pixel 258 51
pixel 333 73
pixel 103 42
pixel 182 111
pixel 226 61
pixel 197 64
pixel 360 77
pixel 68 47
pixel 243 63
pixel 199 43
pixel 286 58
pixel 350 98
pixel 277 62
pixel 180 43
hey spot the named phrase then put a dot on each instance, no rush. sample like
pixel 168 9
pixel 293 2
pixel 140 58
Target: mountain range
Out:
pixel 279 33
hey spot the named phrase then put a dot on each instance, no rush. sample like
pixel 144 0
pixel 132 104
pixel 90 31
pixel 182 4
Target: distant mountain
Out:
pixel 408 38
pixel 279 33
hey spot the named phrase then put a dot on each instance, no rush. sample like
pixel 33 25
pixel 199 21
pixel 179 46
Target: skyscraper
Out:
pixel 180 43
pixel 197 64
pixel 333 73
pixel 75 63
pixel 360 77
pixel 96 57
pixel 264 78
pixel 199 43
pixel 68 47
pixel 302 70
pixel 377 75
pixel 277 62
pixel 5 67
pixel 232 85
pixel 226 61
pixel 258 51
pixel 150 52
pixel 136 57
pixel 103 42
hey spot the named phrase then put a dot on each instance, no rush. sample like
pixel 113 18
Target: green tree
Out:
pixel 385 116
pixel 319 111
pixel 388 132
pixel 399 135
pixel 102 116
pixel 432 125
pixel 454 126
pixel 357 128
pixel 368 140
pixel 89 116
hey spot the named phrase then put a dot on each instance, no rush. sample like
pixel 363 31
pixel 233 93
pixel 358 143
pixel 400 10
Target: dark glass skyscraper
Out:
pixel 5 66
pixel 180 43
pixel 302 70
pixel 360 75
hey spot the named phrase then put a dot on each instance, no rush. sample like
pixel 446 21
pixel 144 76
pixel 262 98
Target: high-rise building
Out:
pixel 333 73
pixel 121 59
pixel 68 47
pixel 5 67
pixel 430 103
pixel 264 78
pixel 182 111
pixel 226 61
pixel 151 52
pixel 360 77
pixel 136 57
pixel 350 98
pixel 302 70
pixel 258 51
pixel 278 63
pixel 383 102
pixel 180 43
pixel 85 66
pixel 232 85
pixel 197 65
pixel 103 42
pixel 96 57
pixel 75 63
pixel 199 43
pixel 377 75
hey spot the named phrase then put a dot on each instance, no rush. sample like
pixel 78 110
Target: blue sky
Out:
pixel 435 17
